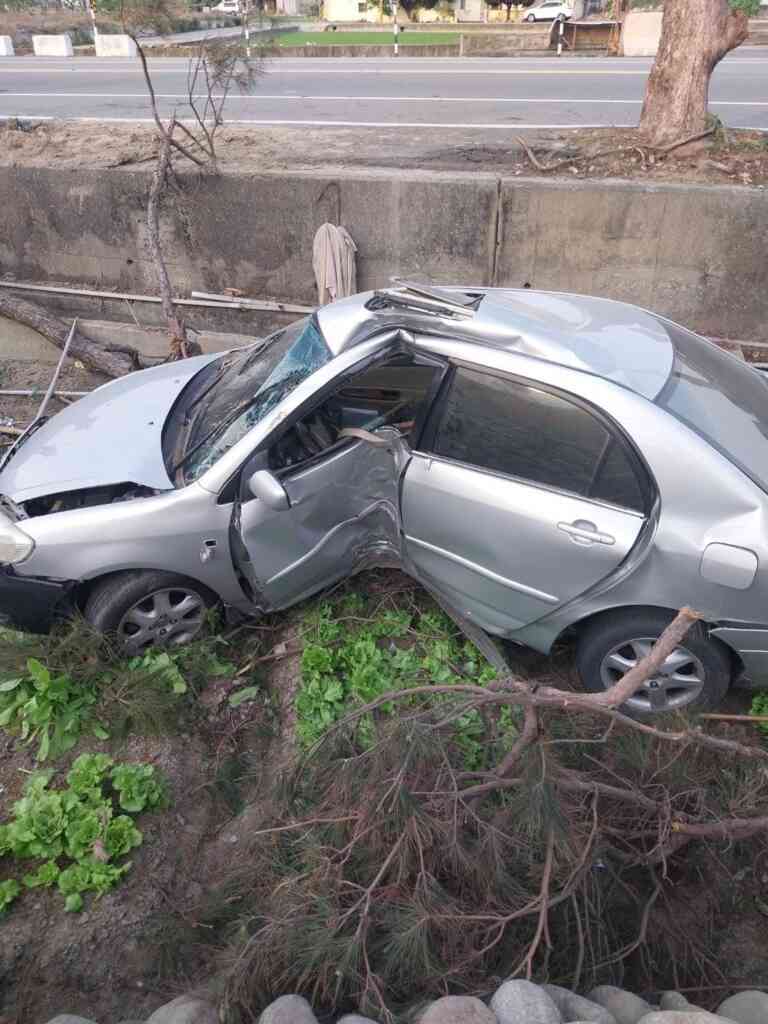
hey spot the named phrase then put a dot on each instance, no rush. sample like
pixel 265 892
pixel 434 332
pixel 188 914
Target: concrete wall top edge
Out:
pixel 330 173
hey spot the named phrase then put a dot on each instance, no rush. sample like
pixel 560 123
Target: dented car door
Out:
pixel 321 501
pixel 340 510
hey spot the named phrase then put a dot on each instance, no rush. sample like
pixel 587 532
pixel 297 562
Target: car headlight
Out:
pixel 15 545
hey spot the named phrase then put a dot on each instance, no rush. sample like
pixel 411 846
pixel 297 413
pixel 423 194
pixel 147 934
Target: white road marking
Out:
pixel 363 99
pixel 517 126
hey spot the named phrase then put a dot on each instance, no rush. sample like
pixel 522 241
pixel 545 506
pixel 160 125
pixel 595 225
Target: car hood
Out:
pixel 110 436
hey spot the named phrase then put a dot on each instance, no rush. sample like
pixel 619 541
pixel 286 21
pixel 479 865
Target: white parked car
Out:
pixel 549 10
pixel 227 7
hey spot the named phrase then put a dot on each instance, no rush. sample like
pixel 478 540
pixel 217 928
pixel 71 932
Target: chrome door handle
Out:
pixel 583 532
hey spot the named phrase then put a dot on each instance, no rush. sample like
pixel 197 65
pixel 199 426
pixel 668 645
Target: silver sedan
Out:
pixel 550 466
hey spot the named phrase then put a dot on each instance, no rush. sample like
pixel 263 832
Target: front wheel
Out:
pixel 147 609
pixel 695 676
pixel 530 17
pixel 560 18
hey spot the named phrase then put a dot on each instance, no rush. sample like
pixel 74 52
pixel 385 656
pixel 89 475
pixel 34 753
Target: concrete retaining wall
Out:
pixel 115 46
pixel 694 253
pixel 6 46
pixel 641 33
pixel 52 46
pixel 372 50
pixel 506 44
pixel 20 342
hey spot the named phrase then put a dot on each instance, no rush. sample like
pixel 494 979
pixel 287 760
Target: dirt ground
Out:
pixel 25 375
pixel 728 157
pixel 118 959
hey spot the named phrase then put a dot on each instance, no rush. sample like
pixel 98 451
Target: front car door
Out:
pixel 341 489
pixel 519 499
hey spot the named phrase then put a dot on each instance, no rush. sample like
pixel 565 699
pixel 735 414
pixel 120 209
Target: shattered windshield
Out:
pixel 251 387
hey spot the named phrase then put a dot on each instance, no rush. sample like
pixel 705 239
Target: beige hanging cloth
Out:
pixel 333 260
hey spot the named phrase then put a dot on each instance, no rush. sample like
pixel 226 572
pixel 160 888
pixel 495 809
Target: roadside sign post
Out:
pixel 247 26
pixel 395 26
pixel 560 39
pixel 92 13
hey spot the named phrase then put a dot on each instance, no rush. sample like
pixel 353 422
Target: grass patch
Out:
pixel 55 689
pixel 354 652
pixel 365 38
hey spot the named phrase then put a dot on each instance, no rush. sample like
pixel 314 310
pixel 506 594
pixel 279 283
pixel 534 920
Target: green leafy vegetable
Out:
pixel 9 890
pixel 138 787
pixel 76 833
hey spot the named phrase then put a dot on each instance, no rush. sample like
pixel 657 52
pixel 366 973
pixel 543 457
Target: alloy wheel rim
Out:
pixel 679 681
pixel 165 618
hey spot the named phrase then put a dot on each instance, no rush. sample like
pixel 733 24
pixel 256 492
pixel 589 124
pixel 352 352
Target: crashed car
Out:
pixel 550 466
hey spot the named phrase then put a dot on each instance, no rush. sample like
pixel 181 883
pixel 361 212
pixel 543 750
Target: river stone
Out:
pixel 626 1007
pixel 185 1010
pixel 573 1007
pixel 522 1002
pixel 355 1018
pixel 749 1007
pixel 69 1018
pixel 457 1010
pixel 683 1017
pixel 288 1010
pixel 674 1001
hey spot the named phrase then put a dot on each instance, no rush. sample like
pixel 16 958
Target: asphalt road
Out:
pixel 488 94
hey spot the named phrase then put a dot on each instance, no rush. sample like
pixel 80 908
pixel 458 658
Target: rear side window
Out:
pixel 525 432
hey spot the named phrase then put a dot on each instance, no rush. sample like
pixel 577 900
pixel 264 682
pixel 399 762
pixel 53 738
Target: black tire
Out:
pixel 178 605
pixel 606 644
pixel 560 18
pixel 530 17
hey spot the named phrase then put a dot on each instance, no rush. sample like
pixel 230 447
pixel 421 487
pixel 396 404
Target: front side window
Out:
pixel 254 381
pixel 391 394
pixel 722 399
pixel 526 432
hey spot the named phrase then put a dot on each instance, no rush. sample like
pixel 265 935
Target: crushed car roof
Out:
pixel 614 340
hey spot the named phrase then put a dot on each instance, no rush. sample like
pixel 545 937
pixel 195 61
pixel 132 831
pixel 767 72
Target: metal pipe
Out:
pixel 226 303
pixel 57 371
pixel 34 392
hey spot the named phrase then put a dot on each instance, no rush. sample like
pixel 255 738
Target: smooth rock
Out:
pixel 522 1002
pixel 185 1010
pixel 683 1017
pixel 69 1018
pixel 749 1007
pixel 288 1010
pixel 355 1018
pixel 626 1007
pixel 573 1007
pixel 673 1001
pixel 458 1010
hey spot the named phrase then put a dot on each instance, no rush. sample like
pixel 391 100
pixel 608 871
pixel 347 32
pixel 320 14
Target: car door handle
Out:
pixel 581 531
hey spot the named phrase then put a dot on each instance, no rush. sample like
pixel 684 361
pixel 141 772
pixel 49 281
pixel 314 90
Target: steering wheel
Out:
pixel 307 440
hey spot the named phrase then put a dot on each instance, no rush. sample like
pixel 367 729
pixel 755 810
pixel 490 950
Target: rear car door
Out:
pixel 518 499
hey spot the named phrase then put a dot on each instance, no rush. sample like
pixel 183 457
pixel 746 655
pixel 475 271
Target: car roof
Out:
pixel 609 339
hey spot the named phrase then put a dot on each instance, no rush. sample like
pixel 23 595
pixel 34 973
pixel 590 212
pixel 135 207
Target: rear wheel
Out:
pixel 530 17
pixel 695 676
pixel 149 609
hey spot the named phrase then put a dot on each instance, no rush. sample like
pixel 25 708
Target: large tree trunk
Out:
pixel 695 35
pixel 114 361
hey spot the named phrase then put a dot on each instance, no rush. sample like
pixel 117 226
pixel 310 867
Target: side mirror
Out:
pixel 267 488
